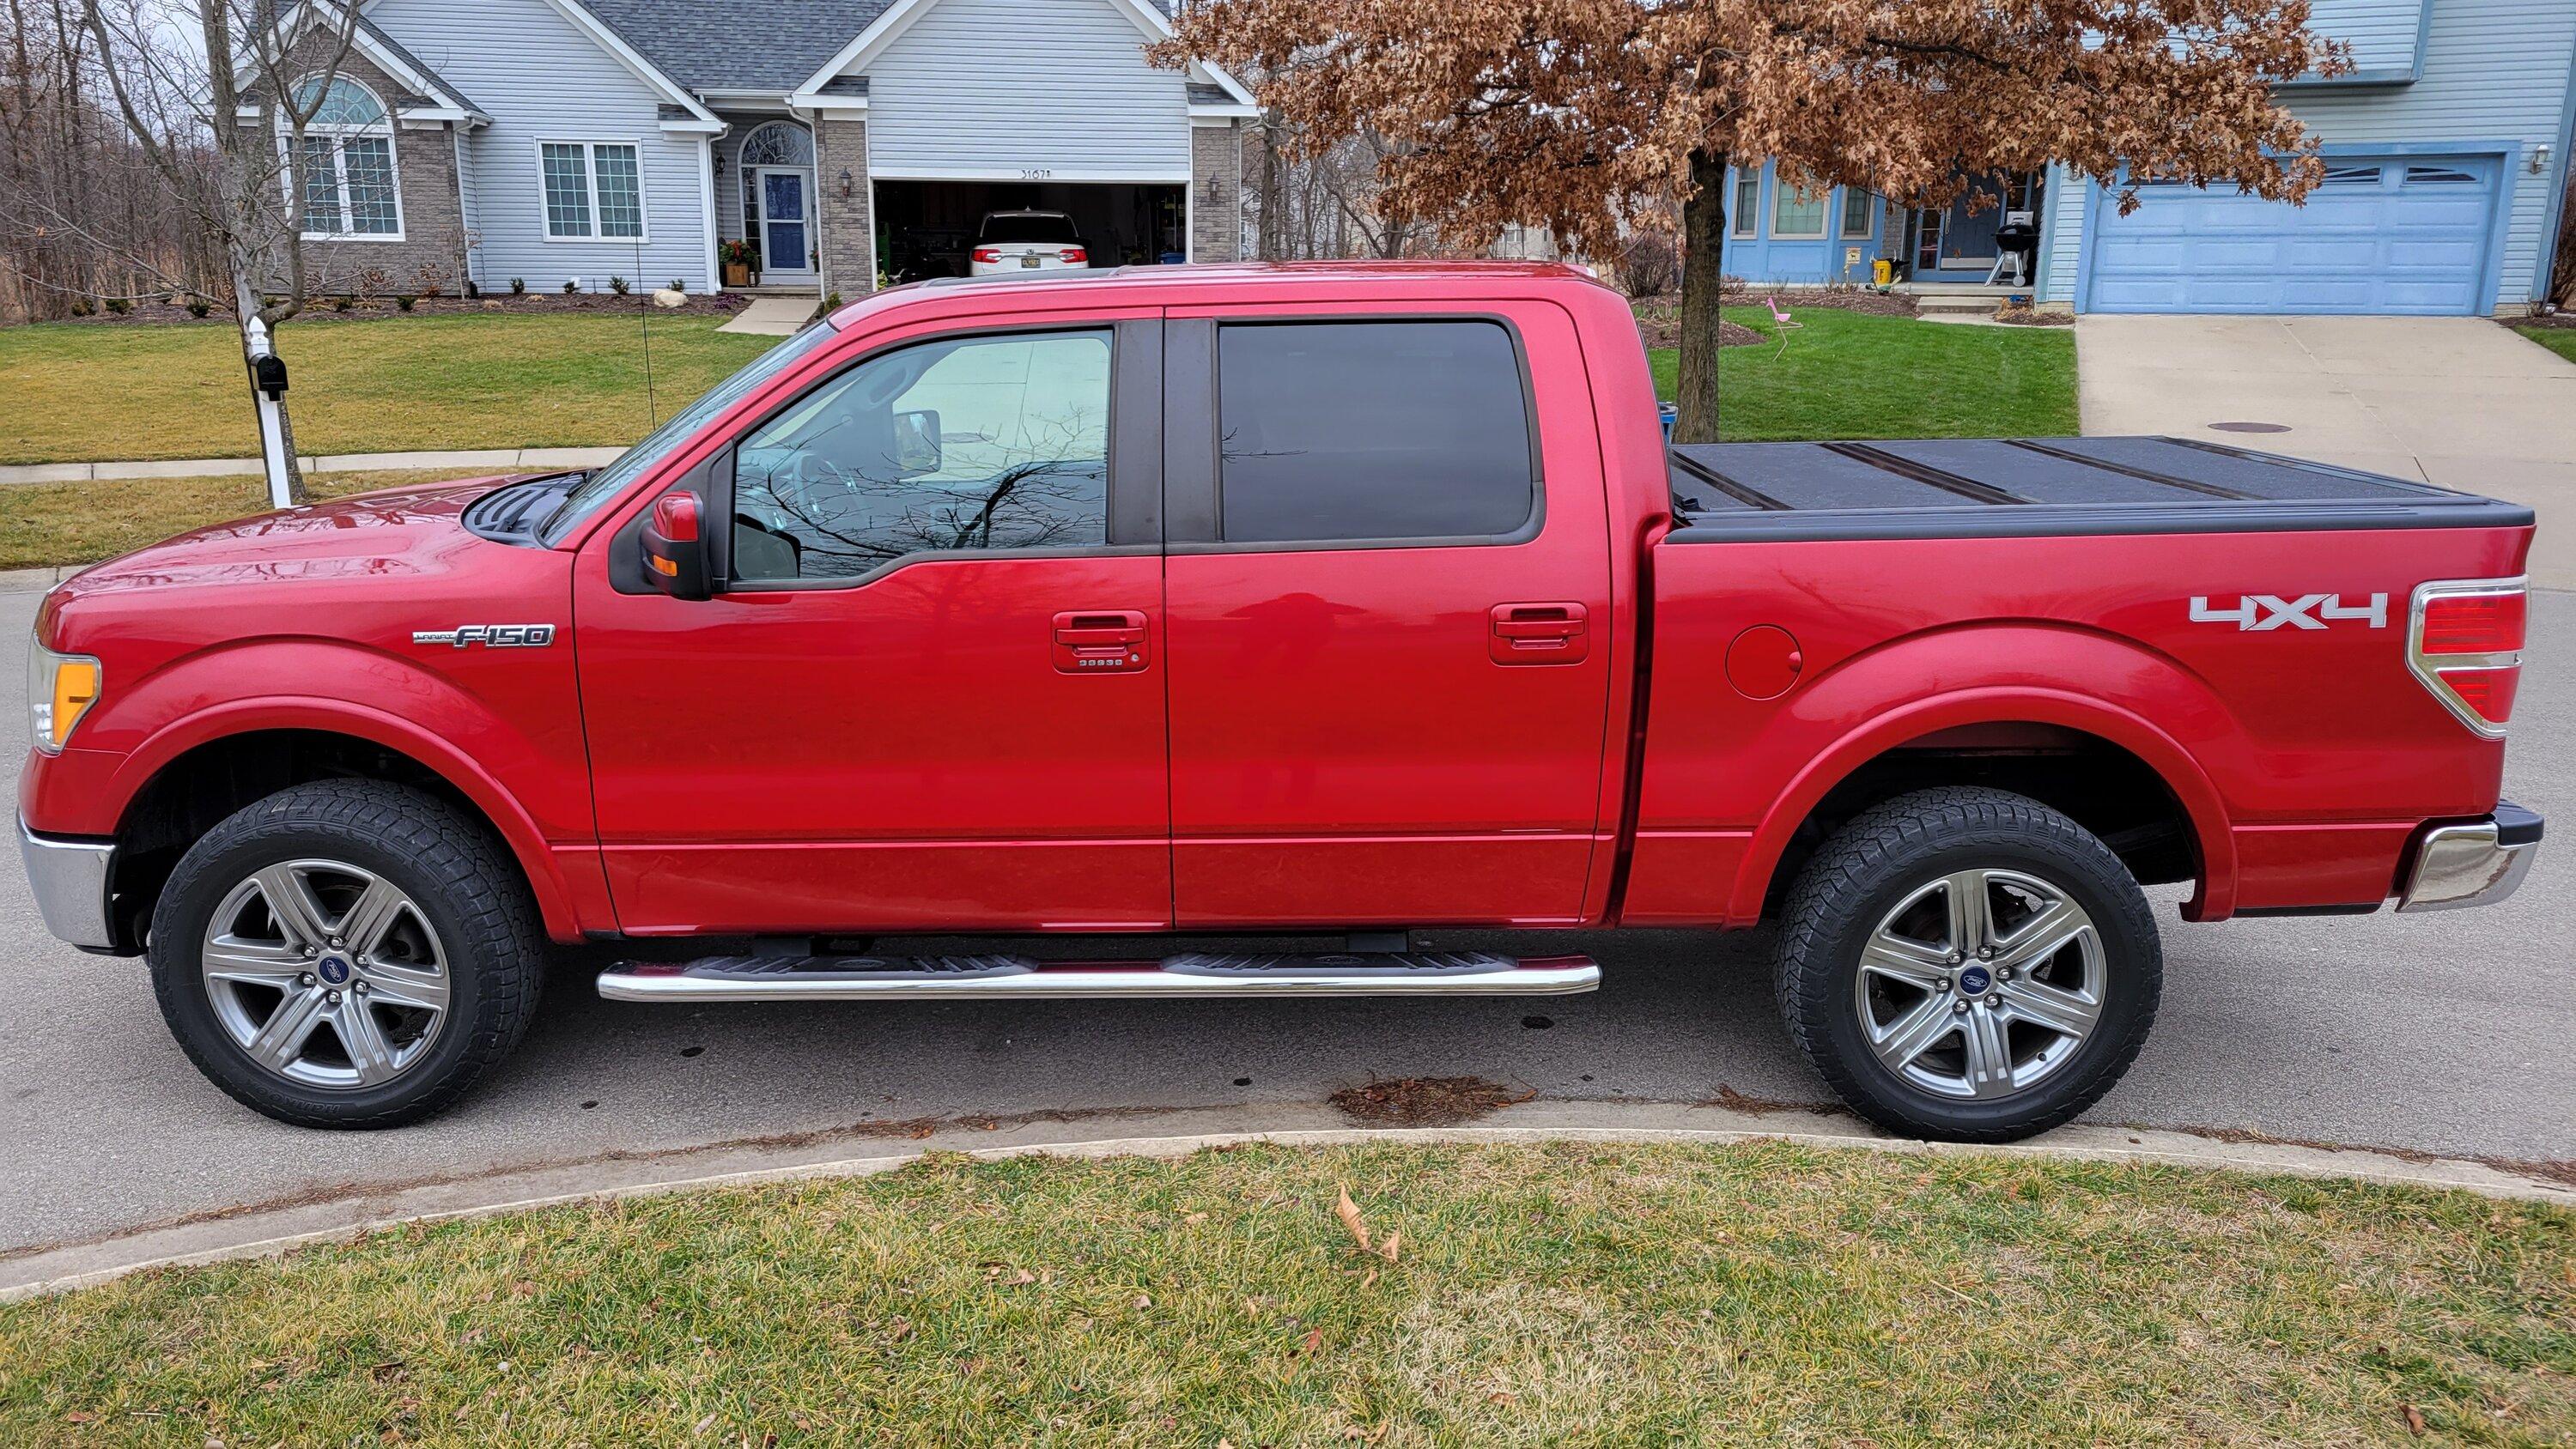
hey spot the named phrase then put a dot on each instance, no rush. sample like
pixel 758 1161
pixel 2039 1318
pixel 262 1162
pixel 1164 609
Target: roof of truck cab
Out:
pixel 1268 276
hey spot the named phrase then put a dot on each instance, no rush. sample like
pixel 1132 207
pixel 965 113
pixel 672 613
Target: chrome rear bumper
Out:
pixel 70 879
pixel 2472 862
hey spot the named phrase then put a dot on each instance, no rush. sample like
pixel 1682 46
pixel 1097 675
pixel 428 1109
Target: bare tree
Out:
pixel 223 117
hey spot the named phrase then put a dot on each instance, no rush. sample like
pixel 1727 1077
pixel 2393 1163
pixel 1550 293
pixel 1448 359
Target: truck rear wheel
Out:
pixel 346 953
pixel 1968 964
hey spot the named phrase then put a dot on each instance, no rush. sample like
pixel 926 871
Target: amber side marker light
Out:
pixel 60 689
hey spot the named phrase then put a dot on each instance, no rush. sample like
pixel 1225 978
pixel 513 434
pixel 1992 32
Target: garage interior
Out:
pixel 924 228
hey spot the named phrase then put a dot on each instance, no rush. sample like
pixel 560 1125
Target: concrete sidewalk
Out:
pixel 2458 402
pixel 499 460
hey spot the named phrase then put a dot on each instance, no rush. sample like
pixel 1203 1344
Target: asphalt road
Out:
pixel 2449 1033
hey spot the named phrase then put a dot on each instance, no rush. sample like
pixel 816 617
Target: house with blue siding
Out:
pixel 2446 154
pixel 557 143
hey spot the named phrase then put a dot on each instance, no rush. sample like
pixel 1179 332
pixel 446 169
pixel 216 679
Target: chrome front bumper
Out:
pixel 70 878
pixel 2472 862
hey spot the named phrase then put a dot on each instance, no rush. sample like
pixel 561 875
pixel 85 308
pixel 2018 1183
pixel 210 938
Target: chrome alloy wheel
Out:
pixel 1981 984
pixel 325 974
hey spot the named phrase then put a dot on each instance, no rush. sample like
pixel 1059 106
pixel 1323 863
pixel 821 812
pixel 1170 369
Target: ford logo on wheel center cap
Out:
pixel 1975 979
pixel 334 970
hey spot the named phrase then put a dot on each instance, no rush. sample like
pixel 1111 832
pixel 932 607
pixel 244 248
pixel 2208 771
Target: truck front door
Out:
pixel 1388 590
pixel 929 692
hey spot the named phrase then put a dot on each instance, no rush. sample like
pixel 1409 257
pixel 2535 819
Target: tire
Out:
pixel 1883 887
pixel 435 979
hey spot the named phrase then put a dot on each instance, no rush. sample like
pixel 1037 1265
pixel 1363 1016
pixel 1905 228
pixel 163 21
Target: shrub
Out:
pixel 119 305
pixel 81 307
pixel 679 286
pixel 429 281
pixel 617 285
pixel 571 285
pixel 471 288
pixel 404 301
pixel 518 285
pixel 199 307
pixel 340 304
pixel 373 282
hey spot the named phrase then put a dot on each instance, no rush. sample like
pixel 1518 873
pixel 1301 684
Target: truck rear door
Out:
pixel 1386 590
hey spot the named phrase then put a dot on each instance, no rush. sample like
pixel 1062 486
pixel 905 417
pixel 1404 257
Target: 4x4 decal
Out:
pixel 2257 612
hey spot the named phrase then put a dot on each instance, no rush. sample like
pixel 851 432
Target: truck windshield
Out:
pixel 606 483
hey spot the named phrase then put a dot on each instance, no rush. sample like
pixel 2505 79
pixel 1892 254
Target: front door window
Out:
pixel 783 221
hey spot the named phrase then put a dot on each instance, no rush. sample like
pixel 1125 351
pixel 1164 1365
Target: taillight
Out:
pixel 1072 255
pixel 2464 642
pixel 988 254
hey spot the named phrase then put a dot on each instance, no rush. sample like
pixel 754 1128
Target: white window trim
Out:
pixel 336 132
pixel 1841 206
pixel 1742 223
pixel 590 189
pixel 1781 191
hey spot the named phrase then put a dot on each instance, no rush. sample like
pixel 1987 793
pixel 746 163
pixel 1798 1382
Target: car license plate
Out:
pixel 1028 261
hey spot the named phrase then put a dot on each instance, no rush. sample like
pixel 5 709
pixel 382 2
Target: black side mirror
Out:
pixel 675 547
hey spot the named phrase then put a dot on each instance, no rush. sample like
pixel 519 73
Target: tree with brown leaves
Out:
pixel 1582 114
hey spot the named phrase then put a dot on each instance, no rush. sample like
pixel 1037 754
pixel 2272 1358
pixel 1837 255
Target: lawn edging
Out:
pixel 353 1211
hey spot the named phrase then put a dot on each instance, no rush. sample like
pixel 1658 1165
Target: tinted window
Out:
pixel 1355 430
pixel 970 443
pixel 1042 226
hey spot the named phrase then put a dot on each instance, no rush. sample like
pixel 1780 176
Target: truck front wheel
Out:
pixel 1968 964
pixel 346 953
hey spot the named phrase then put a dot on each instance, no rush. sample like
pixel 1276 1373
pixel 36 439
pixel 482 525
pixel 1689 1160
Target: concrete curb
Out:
pixel 498 459
pixel 263 1232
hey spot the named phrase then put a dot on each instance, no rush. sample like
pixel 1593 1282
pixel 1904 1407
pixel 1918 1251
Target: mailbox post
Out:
pixel 268 379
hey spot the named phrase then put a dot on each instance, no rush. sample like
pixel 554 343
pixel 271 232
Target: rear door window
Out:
pixel 1368 431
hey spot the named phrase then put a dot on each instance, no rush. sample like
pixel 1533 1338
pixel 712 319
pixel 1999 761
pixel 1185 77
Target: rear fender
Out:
pixel 2011 674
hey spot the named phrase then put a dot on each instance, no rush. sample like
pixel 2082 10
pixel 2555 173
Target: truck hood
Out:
pixel 393 534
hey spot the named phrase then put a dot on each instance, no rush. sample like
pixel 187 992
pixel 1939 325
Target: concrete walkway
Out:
pixel 773 316
pixel 499 460
pixel 2459 402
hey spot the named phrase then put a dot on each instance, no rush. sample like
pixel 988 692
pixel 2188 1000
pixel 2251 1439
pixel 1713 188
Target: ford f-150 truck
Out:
pixel 1325 605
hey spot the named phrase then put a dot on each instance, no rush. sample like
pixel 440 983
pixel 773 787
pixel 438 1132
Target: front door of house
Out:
pixel 786 221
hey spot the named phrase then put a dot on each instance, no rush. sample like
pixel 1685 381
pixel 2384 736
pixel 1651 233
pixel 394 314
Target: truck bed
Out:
pixel 2039 487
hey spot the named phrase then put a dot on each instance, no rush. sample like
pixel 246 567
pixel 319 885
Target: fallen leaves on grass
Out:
pixel 1349 1212
pixel 1426 1101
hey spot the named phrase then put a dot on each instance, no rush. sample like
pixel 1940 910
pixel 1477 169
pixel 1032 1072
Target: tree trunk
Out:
pixel 1703 263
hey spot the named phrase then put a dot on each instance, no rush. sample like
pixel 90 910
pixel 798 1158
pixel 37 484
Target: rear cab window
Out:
pixel 1397 431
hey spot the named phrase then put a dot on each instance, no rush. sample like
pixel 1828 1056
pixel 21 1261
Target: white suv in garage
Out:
pixel 1012 241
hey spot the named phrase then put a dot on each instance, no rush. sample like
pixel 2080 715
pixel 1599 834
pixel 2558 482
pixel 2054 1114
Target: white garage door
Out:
pixel 2406 234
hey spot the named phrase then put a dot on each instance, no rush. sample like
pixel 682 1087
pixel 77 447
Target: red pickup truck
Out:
pixel 1325 603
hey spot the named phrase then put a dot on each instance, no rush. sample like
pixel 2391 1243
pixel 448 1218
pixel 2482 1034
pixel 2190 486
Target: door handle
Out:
pixel 1109 641
pixel 1539 633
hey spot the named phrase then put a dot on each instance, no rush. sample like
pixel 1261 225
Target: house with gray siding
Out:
pixel 840 144
pixel 2446 151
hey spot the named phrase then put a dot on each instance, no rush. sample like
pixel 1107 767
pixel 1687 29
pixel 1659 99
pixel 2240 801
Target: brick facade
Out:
pixel 1216 193
pixel 848 241
pixel 432 216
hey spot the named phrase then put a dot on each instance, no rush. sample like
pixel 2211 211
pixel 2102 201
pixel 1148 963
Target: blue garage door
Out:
pixel 2407 234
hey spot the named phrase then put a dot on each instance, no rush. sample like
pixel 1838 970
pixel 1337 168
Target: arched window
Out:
pixel 344 161
pixel 778 143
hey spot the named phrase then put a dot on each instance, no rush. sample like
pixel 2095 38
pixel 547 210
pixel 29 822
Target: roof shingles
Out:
pixel 743 45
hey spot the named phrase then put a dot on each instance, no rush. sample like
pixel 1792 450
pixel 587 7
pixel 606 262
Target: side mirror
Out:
pixel 675 546
pixel 916 442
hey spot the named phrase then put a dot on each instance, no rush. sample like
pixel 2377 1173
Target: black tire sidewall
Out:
pixel 208 872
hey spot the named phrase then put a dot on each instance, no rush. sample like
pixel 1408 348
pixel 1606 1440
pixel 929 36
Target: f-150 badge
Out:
pixel 490 636
pixel 2254 613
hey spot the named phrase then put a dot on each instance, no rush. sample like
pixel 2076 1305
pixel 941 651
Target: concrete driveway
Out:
pixel 2444 1033
pixel 2455 401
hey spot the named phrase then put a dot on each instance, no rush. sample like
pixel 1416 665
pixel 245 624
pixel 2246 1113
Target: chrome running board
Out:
pixel 858 978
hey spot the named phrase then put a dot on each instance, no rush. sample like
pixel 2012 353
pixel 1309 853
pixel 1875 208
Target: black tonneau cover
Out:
pixel 2013 487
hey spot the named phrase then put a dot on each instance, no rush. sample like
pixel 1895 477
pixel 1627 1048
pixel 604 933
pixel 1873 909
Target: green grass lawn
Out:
pixel 79 392
pixel 2561 340
pixel 1593 1294
pixel 1850 375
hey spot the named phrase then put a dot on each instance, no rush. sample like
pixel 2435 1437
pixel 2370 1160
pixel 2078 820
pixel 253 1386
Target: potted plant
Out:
pixel 741 263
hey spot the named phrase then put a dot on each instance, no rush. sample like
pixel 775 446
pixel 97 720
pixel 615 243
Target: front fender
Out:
pixel 502 728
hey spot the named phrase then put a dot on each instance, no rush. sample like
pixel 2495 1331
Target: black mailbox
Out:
pixel 268 374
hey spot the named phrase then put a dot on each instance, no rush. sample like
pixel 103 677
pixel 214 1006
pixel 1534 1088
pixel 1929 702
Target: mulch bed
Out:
pixel 161 314
pixel 1658 323
pixel 1426 1101
pixel 1657 317
pixel 2028 317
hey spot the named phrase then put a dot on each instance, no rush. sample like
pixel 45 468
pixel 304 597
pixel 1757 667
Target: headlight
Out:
pixel 60 689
